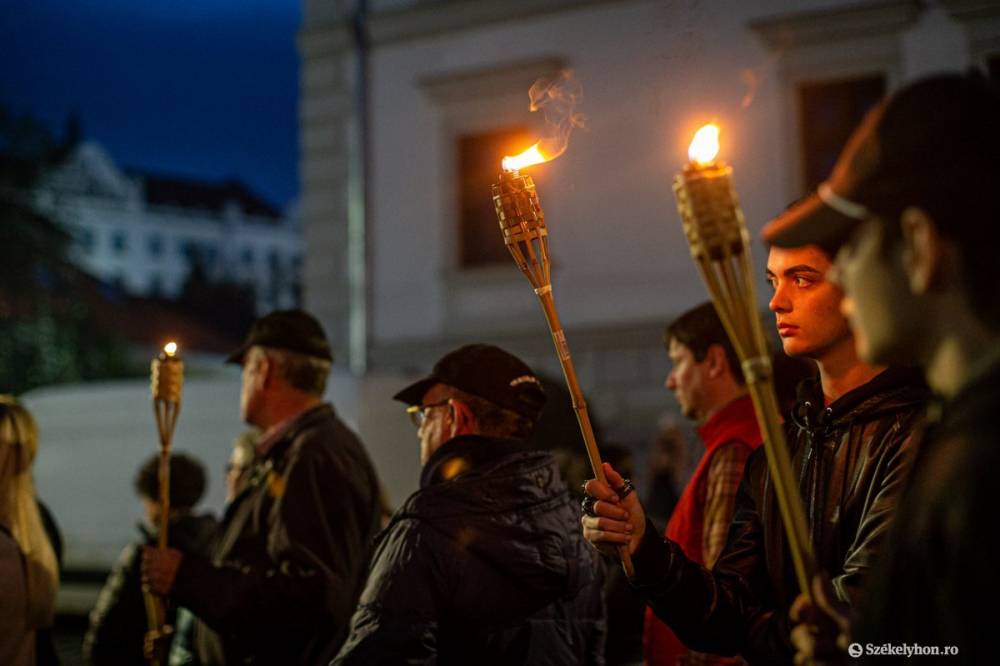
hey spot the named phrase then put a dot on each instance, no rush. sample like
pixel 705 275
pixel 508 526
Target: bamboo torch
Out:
pixel 717 235
pixel 522 223
pixel 166 382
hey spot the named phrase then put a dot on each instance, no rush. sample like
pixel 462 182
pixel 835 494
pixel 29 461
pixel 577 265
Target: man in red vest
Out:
pixel 706 379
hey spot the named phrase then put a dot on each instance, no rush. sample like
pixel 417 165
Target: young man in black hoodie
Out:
pixel 484 564
pixel 850 442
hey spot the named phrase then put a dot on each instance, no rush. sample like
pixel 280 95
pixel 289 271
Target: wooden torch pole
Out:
pixel 523 225
pixel 166 380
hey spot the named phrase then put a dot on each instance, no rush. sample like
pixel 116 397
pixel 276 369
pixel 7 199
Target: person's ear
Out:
pixel 463 421
pixel 265 370
pixel 718 363
pixel 923 250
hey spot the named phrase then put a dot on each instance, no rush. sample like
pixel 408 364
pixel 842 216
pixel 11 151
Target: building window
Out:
pixel 479 158
pixel 156 245
pixel 829 113
pixel 119 242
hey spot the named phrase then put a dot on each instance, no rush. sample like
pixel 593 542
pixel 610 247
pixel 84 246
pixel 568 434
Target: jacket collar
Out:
pixel 736 420
pixel 464 454
pixel 287 428
pixel 864 402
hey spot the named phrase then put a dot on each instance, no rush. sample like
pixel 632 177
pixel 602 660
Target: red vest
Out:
pixel 735 423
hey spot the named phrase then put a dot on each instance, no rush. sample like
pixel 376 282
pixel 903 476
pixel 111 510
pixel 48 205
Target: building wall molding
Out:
pixel 329 32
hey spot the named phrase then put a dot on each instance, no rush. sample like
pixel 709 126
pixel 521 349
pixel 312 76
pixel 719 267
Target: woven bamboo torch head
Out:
pixel 706 200
pixel 522 223
pixel 167 375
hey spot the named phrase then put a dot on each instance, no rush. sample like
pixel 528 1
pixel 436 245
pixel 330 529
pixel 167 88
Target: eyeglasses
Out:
pixel 418 413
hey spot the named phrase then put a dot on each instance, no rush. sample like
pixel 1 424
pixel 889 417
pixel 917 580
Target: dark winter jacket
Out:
pixel 118 622
pixel 290 561
pixel 939 569
pixel 485 564
pixel 851 460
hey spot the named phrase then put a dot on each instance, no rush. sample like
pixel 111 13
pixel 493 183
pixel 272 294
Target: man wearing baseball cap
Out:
pixel 290 558
pixel 483 564
pixel 912 213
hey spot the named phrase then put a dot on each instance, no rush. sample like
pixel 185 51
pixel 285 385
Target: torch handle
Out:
pixel 166 418
pixel 785 489
pixel 579 404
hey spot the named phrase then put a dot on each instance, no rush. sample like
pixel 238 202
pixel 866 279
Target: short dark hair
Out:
pixel 493 419
pixel 698 329
pixel 187 480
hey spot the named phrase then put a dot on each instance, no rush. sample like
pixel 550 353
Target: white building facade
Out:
pixel 388 272
pixel 143 232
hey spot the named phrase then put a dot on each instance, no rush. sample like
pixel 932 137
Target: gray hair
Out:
pixel 301 371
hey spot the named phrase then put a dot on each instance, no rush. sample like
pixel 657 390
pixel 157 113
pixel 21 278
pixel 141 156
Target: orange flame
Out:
pixel 705 145
pixel 528 158
pixel 170 348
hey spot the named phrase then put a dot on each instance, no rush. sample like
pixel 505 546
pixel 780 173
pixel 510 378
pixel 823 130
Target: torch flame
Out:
pixel 705 145
pixel 170 348
pixel 529 157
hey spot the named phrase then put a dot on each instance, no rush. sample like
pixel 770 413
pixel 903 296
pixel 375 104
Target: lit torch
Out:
pixel 523 225
pixel 717 234
pixel 166 382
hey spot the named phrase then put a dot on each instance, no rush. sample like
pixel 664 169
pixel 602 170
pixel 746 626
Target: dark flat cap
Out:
pixel 292 330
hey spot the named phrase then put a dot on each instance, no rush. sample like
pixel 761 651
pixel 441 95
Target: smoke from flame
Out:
pixel 557 97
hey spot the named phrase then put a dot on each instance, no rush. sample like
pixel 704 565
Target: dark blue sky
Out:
pixel 203 88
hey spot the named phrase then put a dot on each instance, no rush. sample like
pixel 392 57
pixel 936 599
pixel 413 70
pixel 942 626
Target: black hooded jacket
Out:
pixel 485 564
pixel 851 460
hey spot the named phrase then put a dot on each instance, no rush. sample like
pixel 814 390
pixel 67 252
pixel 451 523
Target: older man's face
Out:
pixel 252 389
pixel 438 421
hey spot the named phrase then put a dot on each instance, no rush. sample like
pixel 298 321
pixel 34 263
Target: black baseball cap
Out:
pixel 487 372
pixel 938 133
pixel 292 330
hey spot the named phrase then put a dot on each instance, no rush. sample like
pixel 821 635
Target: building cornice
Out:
pixel 422 20
pixel 803 29
pixel 971 10
pixel 981 21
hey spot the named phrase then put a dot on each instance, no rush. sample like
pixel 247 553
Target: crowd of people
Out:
pixel 883 288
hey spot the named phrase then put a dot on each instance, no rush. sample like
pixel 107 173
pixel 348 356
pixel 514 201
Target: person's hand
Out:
pixel 156 644
pixel 822 631
pixel 616 520
pixel 159 568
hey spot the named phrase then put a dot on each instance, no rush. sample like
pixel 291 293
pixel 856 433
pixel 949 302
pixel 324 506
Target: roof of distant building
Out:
pixel 188 193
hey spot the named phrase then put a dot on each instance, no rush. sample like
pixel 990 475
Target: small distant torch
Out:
pixel 717 235
pixel 522 223
pixel 166 382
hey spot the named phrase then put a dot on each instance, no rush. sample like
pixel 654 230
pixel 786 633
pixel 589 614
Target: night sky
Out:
pixel 199 88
